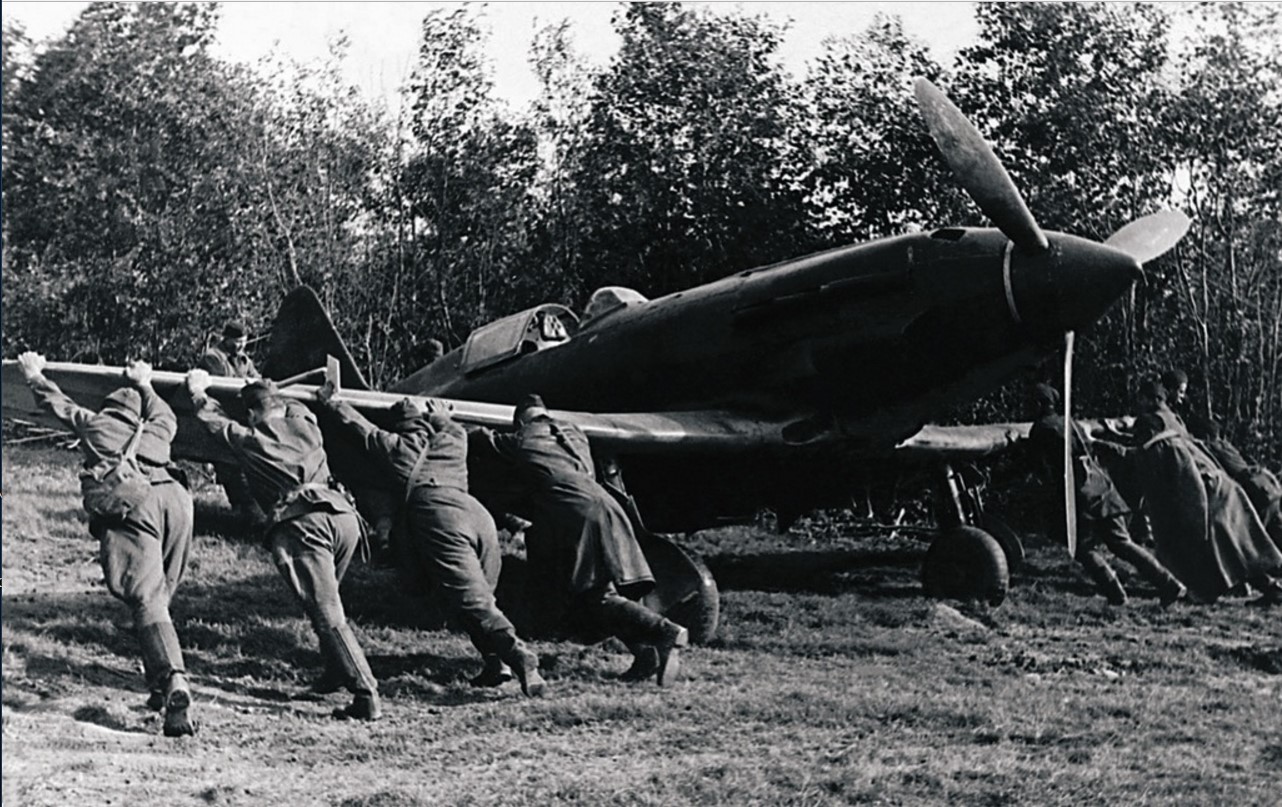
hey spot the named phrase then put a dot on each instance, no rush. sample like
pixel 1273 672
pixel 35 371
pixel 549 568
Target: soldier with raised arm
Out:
pixel 451 537
pixel 143 521
pixel 313 531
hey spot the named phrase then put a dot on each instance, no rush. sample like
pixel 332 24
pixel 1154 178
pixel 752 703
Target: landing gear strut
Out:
pixel 972 556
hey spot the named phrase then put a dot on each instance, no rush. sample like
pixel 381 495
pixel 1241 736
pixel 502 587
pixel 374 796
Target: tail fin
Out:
pixel 302 336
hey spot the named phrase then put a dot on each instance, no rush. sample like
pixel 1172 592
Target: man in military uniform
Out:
pixel 450 537
pixel 313 531
pixel 143 550
pixel 1207 531
pixel 582 538
pixel 228 358
pixel 1101 510
pixel 1261 485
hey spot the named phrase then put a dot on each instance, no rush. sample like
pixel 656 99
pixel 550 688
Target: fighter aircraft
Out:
pixel 772 387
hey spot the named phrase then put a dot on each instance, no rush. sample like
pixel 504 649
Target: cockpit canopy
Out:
pixel 532 330
pixel 607 300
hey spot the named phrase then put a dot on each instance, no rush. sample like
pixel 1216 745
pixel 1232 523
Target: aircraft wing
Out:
pixel 630 432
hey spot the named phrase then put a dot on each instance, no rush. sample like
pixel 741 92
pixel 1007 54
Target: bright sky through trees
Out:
pixel 384 35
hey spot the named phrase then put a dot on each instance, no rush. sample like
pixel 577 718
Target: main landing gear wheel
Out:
pixel 966 563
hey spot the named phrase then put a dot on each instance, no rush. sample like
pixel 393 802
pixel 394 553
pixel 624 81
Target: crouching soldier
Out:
pixel 313 531
pixel 451 538
pixel 140 514
pixel 582 538
pixel 1101 509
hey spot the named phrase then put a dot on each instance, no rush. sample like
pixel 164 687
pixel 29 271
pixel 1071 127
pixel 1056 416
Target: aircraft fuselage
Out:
pixel 877 338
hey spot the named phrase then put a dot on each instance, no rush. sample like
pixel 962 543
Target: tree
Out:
pixel 877 171
pixel 466 183
pixel 100 134
pixel 689 166
pixel 1224 129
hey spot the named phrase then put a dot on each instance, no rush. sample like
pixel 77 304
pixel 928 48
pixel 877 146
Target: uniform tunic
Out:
pixel 143 555
pixel 580 533
pixel 1207 532
pixel 451 537
pixel 217 361
pixel 1260 484
pixel 314 531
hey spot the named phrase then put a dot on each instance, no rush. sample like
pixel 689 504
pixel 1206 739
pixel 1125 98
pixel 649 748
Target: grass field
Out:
pixel 832 681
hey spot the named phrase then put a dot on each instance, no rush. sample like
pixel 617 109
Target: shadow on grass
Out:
pixel 100 716
pixel 874 573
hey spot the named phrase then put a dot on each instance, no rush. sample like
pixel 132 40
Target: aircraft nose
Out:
pixel 1068 286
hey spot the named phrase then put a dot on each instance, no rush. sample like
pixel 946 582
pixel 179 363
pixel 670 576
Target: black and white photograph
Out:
pixel 641 403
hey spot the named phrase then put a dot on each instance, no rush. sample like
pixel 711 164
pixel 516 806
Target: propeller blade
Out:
pixel 1146 238
pixel 978 169
pixel 1070 486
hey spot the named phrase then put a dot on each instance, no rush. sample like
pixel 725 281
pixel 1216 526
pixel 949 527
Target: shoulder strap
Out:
pixel 418 463
pixel 132 448
pixel 565 443
pixel 1160 436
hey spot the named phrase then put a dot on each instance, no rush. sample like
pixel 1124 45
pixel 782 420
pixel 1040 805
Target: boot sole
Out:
pixel 669 667
pixel 177 723
pixel 532 684
pixel 670 659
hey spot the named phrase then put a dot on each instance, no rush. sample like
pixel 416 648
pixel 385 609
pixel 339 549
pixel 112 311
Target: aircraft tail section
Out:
pixel 302 336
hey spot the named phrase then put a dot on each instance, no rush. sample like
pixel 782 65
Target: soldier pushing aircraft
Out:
pixel 583 538
pixel 450 535
pixel 140 514
pixel 313 531
pixel 1101 509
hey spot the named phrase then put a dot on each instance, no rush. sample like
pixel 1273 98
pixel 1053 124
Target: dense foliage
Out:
pixel 151 189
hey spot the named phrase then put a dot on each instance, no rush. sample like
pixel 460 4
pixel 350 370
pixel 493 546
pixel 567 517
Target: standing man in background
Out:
pixel 228 358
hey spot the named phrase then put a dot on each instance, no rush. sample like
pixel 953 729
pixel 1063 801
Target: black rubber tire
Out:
pixel 1008 539
pixel 700 613
pixel 966 563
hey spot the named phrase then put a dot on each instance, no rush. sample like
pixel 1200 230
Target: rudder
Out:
pixel 302 336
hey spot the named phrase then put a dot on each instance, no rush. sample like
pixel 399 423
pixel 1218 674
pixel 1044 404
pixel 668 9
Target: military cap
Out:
pixel 1046 395
pixel 126 401
pixel 528 408
pixel 406 409
pixel 234 329
pixel 259 394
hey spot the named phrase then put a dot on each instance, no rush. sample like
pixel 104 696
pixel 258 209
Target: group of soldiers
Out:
pixel 141 513
pixel 1214 518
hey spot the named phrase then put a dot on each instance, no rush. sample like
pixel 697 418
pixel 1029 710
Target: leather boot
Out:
pixel 161 656
pixel 634 623
pixel 674 637
pixel 495 673
pixel 1272 592
pixel 1169 589
pixel 645 662
pixel 1104 578
pixel 526 666
pixel 363 707
pixel 177 701
pixel 344 656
